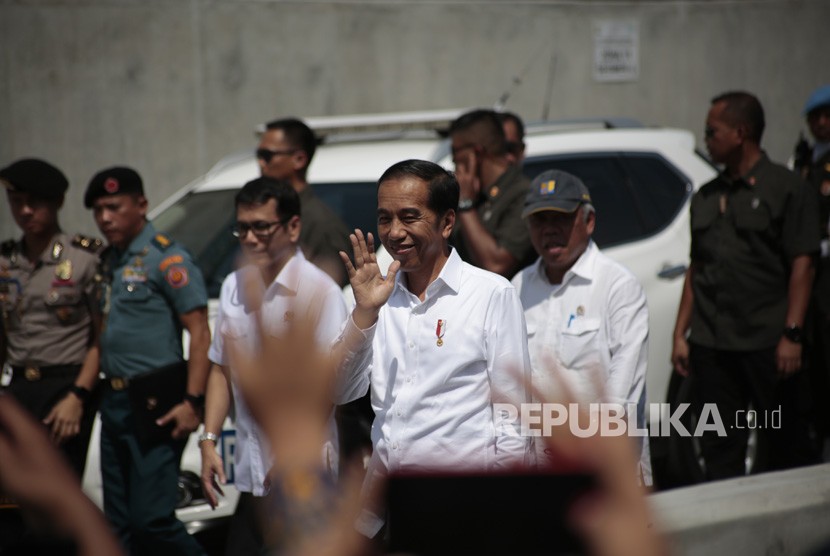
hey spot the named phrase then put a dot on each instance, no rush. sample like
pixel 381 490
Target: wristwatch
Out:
pixel 793 333
pixel 465 205
pixel 198 402
pixel 208 436
pixel 82 393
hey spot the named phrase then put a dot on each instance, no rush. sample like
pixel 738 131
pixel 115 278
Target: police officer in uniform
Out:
pixel 48 330
pixel 153 290
pixel 816 171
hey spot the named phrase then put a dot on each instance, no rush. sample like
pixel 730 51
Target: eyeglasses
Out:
pixel 267 154
pixel 260 228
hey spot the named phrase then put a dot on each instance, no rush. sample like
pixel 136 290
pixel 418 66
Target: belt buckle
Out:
pixel 118 383
pixel 32 374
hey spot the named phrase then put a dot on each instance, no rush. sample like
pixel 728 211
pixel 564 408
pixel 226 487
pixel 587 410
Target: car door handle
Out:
pixel 670 272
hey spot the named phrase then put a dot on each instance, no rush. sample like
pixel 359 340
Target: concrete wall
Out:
pixel 170 86
pixel 785 513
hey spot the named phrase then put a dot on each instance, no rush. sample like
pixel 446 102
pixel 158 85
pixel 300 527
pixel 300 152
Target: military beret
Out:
pixel 819 98
pixel 36 177
pixel 118 180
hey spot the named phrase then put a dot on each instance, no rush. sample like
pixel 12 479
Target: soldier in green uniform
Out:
pixel 489 231
pixel 153 291
pixel 48 331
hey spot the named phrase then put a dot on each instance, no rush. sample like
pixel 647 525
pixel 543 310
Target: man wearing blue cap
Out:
pixel 817 173
pixel 582 309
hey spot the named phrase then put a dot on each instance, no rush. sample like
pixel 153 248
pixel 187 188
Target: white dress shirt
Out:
pixel 433 386
pixel 300 286
pixel 596 320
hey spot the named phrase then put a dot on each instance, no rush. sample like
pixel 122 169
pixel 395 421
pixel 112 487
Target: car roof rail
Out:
pixel 391 125
pixel 574 124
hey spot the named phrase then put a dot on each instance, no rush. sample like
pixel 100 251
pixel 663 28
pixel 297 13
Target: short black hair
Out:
pixel 742 108
pixel 297 134
pixel 262 189
pixel 485 127
pixel 443 187
pixel 515 148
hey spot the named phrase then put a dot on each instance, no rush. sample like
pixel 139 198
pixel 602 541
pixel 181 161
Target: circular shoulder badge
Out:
pixel 177 276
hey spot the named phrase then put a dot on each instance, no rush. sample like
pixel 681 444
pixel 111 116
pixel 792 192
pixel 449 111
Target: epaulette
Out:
pixel 7 247
pixel 162 242
pixel 91 244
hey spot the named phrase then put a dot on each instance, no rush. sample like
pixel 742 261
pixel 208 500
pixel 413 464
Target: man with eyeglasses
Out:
pixel 284 153
pixel 489 231
pixel 738 333
pixel 151 291
pixel 277 285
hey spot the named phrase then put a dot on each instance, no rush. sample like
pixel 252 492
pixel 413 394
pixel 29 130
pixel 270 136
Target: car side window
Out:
pixel 635 194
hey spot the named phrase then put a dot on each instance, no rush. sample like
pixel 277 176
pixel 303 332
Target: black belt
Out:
pixel 33 373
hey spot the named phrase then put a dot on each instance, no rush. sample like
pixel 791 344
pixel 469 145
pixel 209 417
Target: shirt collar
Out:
pixel 583 267
pixel 750 177
pixel 289 276
pixel 143 238
pixel 450 276
pixel 56 250
pixel 819 150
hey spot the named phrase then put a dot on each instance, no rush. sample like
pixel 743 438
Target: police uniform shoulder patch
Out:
pixel 162 242
pixel 90 244
pixel 7 247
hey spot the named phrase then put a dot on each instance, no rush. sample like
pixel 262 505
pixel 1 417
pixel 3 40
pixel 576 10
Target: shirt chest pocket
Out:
pixel 579 345
pixel 134 292
pixel 753 217
pixel 703 215
pixel 66 304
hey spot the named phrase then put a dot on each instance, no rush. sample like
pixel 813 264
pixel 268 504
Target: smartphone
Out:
pixel 484 514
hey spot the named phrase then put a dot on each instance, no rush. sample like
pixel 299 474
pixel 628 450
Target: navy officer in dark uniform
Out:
pixel 152 291
pixel 48 330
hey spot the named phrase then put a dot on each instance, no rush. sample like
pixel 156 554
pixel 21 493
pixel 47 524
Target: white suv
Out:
pixel 641 180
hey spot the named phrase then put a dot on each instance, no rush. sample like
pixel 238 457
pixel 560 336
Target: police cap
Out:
pixel 35 177
pixel 118 180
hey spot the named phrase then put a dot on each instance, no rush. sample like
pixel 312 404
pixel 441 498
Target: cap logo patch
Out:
pixel 111 185
pixel 547 187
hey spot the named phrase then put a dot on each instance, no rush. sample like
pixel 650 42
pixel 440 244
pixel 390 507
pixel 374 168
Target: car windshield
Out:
pixel 202 220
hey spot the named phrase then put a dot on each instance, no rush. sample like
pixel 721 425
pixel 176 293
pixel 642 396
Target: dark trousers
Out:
pixel 40 396
pixel 140 486
pixel 732 381
pixel 245 536
pixel 819 367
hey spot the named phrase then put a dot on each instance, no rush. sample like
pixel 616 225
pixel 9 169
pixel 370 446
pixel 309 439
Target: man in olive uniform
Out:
pixel 817 173
pixel 48 331
pixel 754 237
pixel 489 231
pixel 153 290
pixel 285 151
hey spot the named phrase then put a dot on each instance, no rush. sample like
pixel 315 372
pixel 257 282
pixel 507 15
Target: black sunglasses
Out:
pixel 267 154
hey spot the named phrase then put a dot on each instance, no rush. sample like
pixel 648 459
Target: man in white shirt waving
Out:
pixel 438 340
pixel 276 286
pixel 583 310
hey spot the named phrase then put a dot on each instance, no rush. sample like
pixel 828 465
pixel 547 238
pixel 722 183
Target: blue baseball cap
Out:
pixel 819 98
